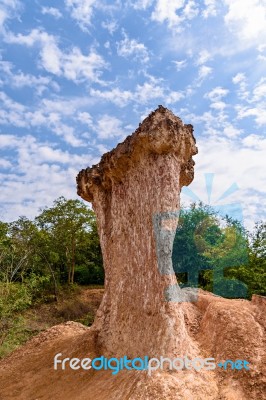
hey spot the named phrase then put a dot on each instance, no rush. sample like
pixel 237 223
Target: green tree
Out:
pixel 253 273
pixel 230 250
pixel 205 245
pixel 17 249
pixel 68 224
pixel 196 223
pixel 89 258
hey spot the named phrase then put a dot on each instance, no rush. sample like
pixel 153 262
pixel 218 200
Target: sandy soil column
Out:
pixel 134 191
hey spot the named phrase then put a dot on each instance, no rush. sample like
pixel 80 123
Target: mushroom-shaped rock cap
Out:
pixel 160 133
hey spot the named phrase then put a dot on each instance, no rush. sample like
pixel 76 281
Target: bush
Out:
pixel 89 274
pixel 13 333
pixel 14 297
pixel 38 286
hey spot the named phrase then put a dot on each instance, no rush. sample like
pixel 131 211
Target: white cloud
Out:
pixel 73 65
pixel 173 97
pixel 85 118
pixel 8 141
pixel 66 106
pixel 255 141
pixel 132 48
pixel 67 132
pixel 247 19
pixel 174 12
pixel 241 80
pixel 56 116
pixel 255 101
pixel 141 4
pixel 231 131
pixel 79 67
pixel 216 121
pixel 109 127
pixel 11 112
pixel 218 105
pixel 261 48
pixel 34 36
pixel 210 10
pixel 48 154
pixel 258 112
pixel 166 10
pixel 45 172
pixel 52 11
pixel 11 104
pixel 203 57
pixel 5 164
pixel 36 118
pixel 240 77
pixel 143 94
pixel 103 148
pixel 81 11
pixel 28 148
pixel 107 45
pixel 20 80
pixel 216 94
pixel 247 164
pixel 190 10
pixel 50 56
pixel 180 64
pixel 261 58
pixel 111 26
pixel 117 96
pixel 8 9
pixel 49 52
pixel 204 71
pixel 148 91
pixel 259 92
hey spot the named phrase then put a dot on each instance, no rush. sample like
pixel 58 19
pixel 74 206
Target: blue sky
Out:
pixel 77 76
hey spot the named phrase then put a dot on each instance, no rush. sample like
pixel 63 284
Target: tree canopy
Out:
pixel 217 254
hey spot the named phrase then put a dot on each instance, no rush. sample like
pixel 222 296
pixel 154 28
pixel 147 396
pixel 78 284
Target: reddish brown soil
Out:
pixel 222 329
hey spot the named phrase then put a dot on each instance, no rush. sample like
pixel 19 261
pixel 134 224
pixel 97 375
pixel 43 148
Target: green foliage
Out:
pixel 253 273
pixel 198 226
pixel 38 286
pixel 87 319
pixel 46 252
pixel 89 273
pixel 14 297
pixel 17 296
pixel 38 257
pixel 69 229
pixel 13 333
pixel 216 254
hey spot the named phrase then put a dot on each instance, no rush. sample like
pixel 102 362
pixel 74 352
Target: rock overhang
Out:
pixel 160 133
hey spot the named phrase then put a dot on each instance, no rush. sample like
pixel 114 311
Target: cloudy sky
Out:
pixel 77 76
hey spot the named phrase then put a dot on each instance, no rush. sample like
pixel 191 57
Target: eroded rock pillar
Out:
pixel 139 179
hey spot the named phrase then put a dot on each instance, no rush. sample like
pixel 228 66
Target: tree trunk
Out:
pixel 73 251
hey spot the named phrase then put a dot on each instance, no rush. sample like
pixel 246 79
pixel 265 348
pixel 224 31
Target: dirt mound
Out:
pixel 219 327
